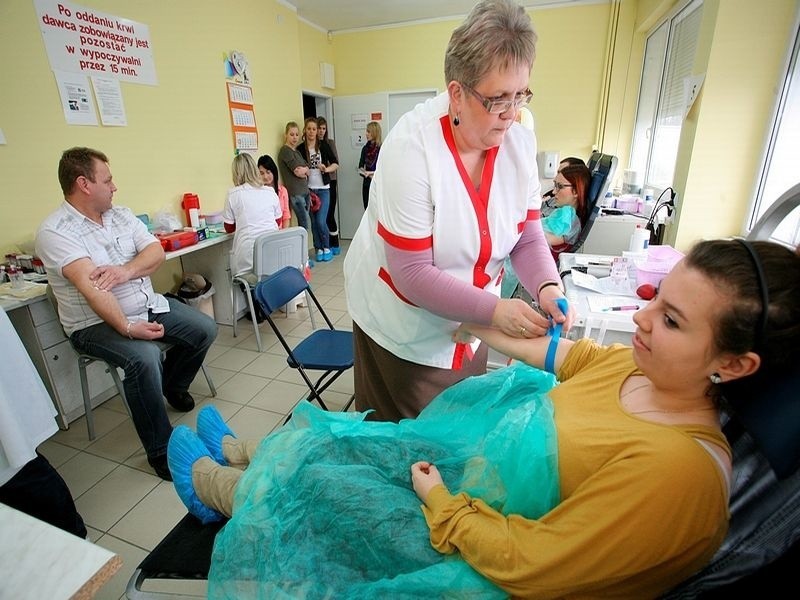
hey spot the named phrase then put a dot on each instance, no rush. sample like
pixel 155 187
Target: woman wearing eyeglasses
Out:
pixel 455 193
pixel 567 213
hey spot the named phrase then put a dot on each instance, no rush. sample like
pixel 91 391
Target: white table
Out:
pixel 606 327
pixel 39 561
pixel 211 259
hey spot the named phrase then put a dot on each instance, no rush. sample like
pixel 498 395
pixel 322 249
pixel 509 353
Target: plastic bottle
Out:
pixel 16 277
pixel 640 240
pixel 191 204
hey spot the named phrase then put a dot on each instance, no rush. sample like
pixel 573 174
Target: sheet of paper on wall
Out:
pixel 2 138
pixel 108 94
pixel 76 98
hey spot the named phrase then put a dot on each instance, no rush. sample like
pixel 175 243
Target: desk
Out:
pixel 605 327
pixel 611 234
pixel 211 259
pixel 38 560
pixel 37 325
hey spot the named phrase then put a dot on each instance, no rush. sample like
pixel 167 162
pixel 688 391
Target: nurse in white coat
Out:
pixel 456 191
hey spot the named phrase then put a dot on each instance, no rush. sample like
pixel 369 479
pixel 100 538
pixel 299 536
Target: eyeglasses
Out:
pixel 558 186
pixel 495 107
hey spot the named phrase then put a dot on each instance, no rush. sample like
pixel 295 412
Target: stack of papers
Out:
pixel 603 285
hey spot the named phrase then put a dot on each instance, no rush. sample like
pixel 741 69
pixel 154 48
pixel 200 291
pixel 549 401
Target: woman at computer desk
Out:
pixel 565 214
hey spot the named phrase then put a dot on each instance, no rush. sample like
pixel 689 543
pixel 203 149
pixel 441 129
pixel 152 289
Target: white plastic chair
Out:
pixel 271 252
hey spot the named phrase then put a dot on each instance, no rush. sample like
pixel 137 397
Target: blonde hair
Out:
pixel 244 170
pixel 375 130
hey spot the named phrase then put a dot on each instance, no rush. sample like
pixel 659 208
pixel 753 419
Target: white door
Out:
pixel 402 102
pixel 352 113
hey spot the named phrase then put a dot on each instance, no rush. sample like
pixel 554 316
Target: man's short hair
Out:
pixel 76 162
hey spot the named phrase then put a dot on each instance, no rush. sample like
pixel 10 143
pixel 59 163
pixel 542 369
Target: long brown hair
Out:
pixel 580 179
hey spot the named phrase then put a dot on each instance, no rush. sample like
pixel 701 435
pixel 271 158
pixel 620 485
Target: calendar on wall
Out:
pixel 243 118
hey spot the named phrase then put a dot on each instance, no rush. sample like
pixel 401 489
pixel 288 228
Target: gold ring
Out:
pixel 522 330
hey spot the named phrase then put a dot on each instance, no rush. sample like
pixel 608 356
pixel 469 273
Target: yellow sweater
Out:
pixel 643 505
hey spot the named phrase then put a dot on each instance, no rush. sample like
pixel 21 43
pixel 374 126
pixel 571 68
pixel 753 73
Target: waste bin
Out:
pixel 197 291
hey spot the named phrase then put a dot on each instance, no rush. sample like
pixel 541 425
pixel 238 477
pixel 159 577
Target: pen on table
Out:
pixel 628 307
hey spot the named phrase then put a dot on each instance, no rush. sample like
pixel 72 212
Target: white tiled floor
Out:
pixel 127 509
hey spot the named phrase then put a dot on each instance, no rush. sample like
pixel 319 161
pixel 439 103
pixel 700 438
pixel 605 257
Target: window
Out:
pixel 668 59
pixel 779 170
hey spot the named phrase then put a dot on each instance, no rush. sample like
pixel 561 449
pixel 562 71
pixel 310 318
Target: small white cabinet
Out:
pixel 57 363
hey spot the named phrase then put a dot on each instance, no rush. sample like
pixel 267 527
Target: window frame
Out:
pixel 789 231
pixel 642 161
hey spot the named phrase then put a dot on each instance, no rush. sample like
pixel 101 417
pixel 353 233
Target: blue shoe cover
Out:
pixel 210 428
pixel 184 449
pixel 336 250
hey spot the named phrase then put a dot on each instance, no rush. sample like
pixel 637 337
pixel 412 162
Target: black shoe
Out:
pixel 159 464
pixel 180 401
pixel 260 318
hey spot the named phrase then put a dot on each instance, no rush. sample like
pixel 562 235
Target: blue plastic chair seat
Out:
pixel 324 350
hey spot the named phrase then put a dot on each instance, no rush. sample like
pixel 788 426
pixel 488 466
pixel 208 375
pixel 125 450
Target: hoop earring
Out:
pixel 715 378
pixel 456 121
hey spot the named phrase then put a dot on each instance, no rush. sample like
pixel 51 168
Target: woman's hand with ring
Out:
pixel 516 318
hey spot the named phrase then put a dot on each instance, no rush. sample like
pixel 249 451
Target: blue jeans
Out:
pixel 319 220
pixel 146 378
pixel 300 206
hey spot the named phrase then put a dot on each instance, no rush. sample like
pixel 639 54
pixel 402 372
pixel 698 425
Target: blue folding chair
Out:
pixel 329 350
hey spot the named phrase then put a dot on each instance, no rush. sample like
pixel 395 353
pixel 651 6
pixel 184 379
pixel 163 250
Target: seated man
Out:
pixel 98 259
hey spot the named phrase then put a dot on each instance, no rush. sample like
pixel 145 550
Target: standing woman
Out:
pixel 321 161
pixel 294 174
pixel 269 175
pixel 333 227
pixel 368 161
pixel 455 193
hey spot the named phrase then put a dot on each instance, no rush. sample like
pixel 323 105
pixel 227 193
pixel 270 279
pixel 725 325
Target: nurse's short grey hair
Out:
pixel 496 33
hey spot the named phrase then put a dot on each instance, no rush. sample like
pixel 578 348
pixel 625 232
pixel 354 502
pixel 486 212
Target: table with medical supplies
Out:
pixel 604 307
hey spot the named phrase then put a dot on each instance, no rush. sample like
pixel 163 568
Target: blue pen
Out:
pixel 630 307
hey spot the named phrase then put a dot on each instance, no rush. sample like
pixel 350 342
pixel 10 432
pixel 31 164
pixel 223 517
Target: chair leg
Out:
pixel 209 380
pixel 310 305
pixel 233 305
pixel 118 382
pixel 253 316
pixel 87 399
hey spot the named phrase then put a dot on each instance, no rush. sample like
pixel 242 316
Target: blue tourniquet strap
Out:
pixel 555 335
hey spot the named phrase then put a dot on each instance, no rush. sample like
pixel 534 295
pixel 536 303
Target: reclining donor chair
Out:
pixel 763 541
pixel 602 167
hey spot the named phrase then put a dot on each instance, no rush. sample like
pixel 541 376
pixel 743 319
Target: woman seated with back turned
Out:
pixel 251 209
pixel 565 214
pixel 643 469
